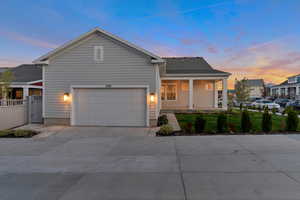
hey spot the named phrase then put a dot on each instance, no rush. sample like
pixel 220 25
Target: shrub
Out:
pixel 162 120
pixel 222 124
pixel 165 130
pixel 259 109
pixel 287 110
pixel 5 133
pixel 17 133
pixel 200 124
pixel 246 124
pixel 292 121
pixel 241 106
pixel 188 127
pixel 24 133
pixel 274 110
pixel 266 123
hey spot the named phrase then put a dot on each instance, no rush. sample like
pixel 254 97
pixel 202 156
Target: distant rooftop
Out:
pixel 2 69
pixel 255 82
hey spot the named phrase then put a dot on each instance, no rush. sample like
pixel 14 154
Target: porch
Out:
pixel 190 94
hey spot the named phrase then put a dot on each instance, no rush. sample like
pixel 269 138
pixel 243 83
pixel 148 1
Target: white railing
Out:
pixel 13 113
pixel 11 102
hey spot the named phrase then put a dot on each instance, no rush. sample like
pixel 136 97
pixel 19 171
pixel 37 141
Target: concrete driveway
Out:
pixel 127 163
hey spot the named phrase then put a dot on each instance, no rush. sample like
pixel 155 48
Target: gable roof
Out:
pixel 255 82
pixel 95 30
pixel 190 65
pixel 26 73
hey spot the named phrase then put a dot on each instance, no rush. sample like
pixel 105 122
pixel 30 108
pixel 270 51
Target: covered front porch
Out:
pixel 197 93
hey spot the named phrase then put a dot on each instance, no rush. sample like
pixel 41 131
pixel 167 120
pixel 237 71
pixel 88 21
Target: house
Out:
pixel 257 88
pixel 289 88
pixel 27 81
pixel 101 79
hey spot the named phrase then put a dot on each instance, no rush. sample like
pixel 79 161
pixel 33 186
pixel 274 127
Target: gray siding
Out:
pixel 121 66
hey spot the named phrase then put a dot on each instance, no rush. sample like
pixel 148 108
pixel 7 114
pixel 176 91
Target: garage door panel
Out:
pixel 110 107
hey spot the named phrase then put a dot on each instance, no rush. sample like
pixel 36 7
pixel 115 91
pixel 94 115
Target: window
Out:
pixel 98 53
pixel 169 92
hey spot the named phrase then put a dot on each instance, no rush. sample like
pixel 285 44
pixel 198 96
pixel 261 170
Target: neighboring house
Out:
pixel 111 82
pixel 289 88
pixel 27 81
pixel 2 69
pixel 257 88
pixel 268 87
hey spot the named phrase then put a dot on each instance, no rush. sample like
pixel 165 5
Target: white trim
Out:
pixel 95 30
pixel 191 94
pixel 216 98
pixel 33 82
pixel 157 89
pixel 166 89
pixel 72 87
pixel 43 92
pixel 193 78
pixel 98 54
pixel 224 94
pixel 225 74
pixel 27 86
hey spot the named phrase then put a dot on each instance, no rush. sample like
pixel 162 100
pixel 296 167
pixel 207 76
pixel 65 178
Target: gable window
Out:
pixel 169 92
pixel 98 53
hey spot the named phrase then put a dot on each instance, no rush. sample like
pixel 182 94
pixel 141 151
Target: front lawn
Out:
pixel 234 121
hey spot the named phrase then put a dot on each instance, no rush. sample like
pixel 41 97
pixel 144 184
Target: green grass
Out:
pixel 234 119
pixel 17 133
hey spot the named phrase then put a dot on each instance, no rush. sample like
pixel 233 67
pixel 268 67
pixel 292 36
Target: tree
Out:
pixel 5 80
pixel 242 90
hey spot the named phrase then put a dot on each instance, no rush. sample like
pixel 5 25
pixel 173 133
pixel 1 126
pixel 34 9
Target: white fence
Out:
pixel 13 113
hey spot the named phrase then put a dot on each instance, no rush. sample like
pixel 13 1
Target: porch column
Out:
pixel 297 91
pixel 25 92
pixel 215 94
pixel 224 93
pixel 191 90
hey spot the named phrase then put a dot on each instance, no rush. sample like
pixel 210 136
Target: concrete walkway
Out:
pixel 173 121
pixel 126 163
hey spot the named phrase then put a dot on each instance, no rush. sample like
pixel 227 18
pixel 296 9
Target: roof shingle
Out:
pixel 189 65
pixel 26 73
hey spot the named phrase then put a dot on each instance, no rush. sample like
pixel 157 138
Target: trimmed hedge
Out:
pixel 246 124
pixel 162 120
pixel 292 121
pixel 200 123
pixel 266 123
pixel 222 123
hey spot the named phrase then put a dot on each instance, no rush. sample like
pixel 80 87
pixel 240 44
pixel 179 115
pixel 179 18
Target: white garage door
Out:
pixel 110 107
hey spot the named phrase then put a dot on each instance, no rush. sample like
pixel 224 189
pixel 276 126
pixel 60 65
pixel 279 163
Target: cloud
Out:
pixel 273 61
pixel 196 42
pixel 27 40
pixel 168 9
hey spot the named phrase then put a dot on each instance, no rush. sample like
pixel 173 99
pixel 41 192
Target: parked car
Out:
pixel 282 102
pixel 265 103
pixel 295 105
pixel 245 103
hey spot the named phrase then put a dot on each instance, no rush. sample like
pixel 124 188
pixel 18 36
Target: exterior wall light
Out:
pixel 152 95
pixel 66 96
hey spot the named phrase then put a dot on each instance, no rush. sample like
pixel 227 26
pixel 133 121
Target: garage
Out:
pixel 109 107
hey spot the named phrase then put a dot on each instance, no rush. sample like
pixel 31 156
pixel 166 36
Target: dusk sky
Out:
pixel 249 38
